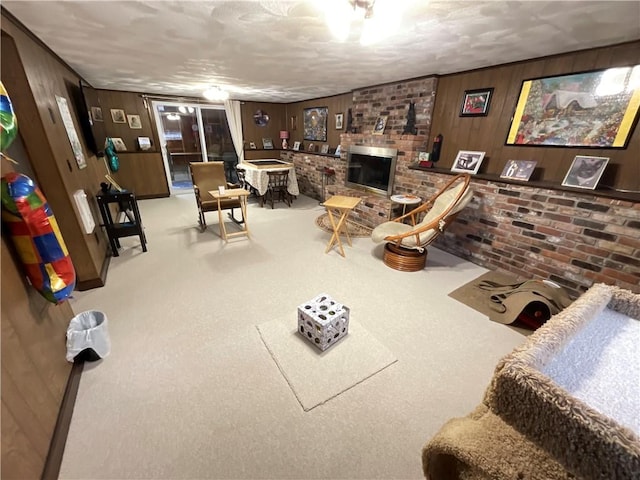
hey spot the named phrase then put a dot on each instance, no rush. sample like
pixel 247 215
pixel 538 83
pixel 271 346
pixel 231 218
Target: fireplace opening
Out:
pixel 371 169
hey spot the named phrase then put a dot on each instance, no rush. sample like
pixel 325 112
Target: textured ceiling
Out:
pixel 282 51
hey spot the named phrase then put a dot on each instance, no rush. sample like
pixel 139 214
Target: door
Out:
pixel 192 133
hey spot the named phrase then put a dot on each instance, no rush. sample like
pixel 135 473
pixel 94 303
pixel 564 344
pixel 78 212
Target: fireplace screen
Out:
pixel 371 169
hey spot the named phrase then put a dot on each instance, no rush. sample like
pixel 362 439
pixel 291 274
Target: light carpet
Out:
pixel 190 391
pixel 316 377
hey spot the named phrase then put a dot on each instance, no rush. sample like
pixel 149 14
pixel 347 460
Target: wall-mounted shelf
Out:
pixel 599 192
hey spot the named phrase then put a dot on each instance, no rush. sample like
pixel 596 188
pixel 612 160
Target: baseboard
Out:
pixel 96 282
pixel 61 431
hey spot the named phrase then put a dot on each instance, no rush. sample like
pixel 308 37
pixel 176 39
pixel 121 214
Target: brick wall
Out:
pixel 393 100
pixel 574 239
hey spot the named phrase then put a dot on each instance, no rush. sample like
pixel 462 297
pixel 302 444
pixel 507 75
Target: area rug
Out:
pixel 316 377
pixel 354 229
pixel 478 299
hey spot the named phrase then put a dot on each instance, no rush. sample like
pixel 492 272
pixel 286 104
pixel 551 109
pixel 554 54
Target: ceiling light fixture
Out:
pixel 345 16
pixel 215 94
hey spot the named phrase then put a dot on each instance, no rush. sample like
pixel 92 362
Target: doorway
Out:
pixel 193 133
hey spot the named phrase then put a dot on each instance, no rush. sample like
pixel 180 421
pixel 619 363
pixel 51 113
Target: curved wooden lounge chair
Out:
pixel 406 243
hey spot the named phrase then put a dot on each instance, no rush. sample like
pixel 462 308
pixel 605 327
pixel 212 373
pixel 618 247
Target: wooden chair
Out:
pixel 405 247
pixel 207 176
pixel 277 189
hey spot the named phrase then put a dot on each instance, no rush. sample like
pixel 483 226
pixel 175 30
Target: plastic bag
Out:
pixel 88 333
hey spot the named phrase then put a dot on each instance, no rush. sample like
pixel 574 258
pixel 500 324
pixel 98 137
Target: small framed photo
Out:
pixel 339 121
pixel 311 148
pixel 467 161
pixel 252 145
pixel 144 143
pixel 381 122
pixel 134 121
pixel 119 145
pixel 324 148
pixel 296 146
pixel 118 116
pixel 475 103
pixel 338 151
pixel 518 169
pixel 585 172
pixel 267 144
pixel 96 114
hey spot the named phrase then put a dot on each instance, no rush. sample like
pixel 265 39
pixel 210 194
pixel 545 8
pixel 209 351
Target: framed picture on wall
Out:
pixel 381 123
pixel 315 123
pixel 119 145
pixel 118 116
pixel 339 121
pixel 467 161
pixel 96 114
pixel 134 121
pixel 585 172
pixel 475 103
pixel 595 109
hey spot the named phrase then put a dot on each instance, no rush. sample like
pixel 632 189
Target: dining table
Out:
pixel 256 175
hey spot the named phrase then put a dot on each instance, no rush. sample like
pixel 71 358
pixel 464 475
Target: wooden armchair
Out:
pixel 207 176
pixel 406 243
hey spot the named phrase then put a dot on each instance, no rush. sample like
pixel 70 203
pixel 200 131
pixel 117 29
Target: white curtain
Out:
pixel 234 119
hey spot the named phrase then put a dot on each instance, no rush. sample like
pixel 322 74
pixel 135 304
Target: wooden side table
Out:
pixel 341 205
pixel 230 193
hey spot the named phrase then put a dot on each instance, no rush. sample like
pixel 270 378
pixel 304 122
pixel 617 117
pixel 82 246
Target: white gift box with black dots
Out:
pixel 323 321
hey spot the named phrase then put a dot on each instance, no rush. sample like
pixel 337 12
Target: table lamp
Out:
pixel 284 135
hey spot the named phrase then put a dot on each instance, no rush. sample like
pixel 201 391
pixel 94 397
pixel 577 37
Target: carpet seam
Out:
pixel 279 367
pixel 324 401
pixel 349 388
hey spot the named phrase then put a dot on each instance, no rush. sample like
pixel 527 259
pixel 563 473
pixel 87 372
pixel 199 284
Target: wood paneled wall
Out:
pixel 133 104
pixel 33 78
pixel 34 370
pixel 277 121
pixel 141 172
pixel 336 104
pixel 488 134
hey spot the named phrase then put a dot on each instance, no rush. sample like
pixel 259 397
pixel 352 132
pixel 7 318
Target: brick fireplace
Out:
pixel 533 231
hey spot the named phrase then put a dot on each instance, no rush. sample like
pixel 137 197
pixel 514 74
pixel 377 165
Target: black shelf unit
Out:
pixel 127 205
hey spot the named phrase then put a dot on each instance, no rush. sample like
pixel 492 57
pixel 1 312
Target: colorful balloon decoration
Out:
pixel 37 238
pixel 8 120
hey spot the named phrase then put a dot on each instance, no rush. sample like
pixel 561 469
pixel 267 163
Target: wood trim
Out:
pixel 59 439
pixel 96 282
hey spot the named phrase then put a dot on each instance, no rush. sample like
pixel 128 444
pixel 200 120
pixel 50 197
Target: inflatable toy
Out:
pixel 37 238
pixel 110 153
pixel 8 120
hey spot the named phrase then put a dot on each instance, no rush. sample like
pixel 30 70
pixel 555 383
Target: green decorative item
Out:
pixel 110 153
pixel 8 120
